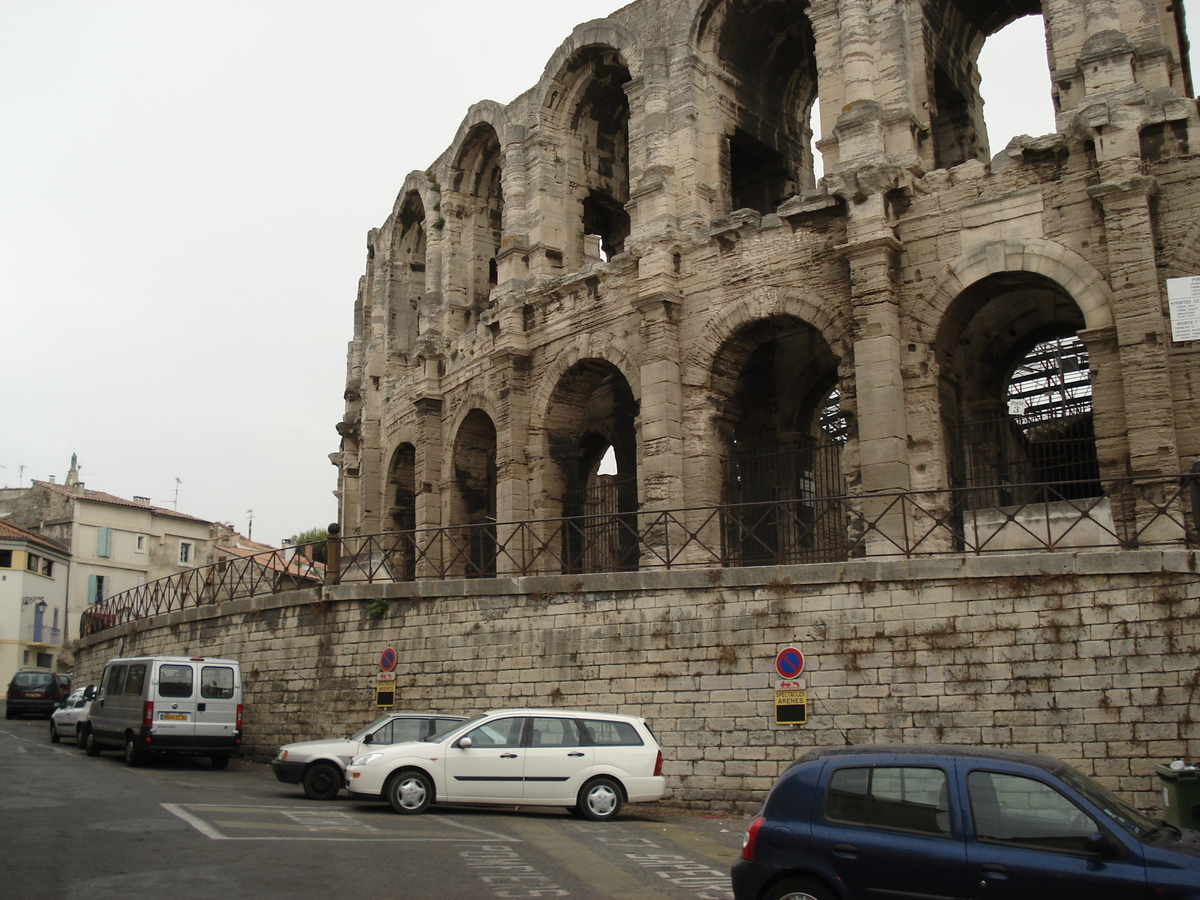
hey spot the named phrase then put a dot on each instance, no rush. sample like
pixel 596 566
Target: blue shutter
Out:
pixel 104 542
pixel 91 594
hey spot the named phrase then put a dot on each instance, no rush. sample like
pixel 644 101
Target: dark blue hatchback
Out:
pixel 933 821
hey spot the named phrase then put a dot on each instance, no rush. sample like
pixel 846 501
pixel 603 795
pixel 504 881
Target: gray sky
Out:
pixel 185 193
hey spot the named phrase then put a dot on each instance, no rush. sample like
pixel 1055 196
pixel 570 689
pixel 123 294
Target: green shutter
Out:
pixel 91 594
pixel 104 542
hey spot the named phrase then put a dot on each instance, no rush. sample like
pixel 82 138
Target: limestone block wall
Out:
pixel 1089 657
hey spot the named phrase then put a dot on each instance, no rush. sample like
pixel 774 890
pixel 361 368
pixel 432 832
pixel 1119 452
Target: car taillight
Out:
pixel 239 717
pixel 751 837
pixel 147 714
pixel 658 764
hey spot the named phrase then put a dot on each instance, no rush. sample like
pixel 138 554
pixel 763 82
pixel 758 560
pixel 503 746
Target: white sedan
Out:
pixel 65 721
pixel 591 763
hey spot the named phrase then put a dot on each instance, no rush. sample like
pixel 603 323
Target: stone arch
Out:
pixel 761 60
pixel 473 493
pixel 474 201
pixel 955 31
pixel 586 113
pixel 1009 300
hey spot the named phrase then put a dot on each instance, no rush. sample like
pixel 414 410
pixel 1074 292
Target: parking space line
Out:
pixel 677 834
pixel 331 826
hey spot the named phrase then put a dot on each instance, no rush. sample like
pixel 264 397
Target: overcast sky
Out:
pixel 185 192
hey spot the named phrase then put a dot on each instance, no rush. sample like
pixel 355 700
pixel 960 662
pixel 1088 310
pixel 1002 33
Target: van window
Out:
pixel 116 681
pixel 136 679
pixel 216 683
pixel 174 681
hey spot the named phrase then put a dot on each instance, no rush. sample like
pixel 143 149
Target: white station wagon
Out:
pixel 591 763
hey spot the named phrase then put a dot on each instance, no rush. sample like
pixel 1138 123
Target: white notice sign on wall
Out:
pixel 1183 294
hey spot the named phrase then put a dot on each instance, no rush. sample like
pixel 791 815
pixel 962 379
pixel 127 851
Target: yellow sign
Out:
pixel 385 694
pixel 791 707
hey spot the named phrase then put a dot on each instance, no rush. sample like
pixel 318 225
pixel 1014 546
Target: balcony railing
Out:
pixel 1128 514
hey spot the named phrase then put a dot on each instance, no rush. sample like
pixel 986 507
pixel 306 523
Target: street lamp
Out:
pixel 40 601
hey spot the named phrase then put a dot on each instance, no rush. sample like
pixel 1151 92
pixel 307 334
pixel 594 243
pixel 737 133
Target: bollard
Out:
pixel 333 554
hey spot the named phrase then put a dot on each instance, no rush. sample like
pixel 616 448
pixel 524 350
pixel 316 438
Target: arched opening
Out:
pixel 407 289
pixel 763 54
pixel 591 426
pixel 1014 86
pixel 956 31
pixel 478 179
pixel 784 432
pixel 594 114
pixel 473 496
pixel 1017 402
pixel 400 503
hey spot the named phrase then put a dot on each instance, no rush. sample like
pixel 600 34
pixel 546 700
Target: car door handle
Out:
pixel 508 756
pixel 576 753
pixel 994 869
pixel 845 850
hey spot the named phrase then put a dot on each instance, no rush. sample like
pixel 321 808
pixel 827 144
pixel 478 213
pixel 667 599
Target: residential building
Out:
pixel 34 575
pixel 115 544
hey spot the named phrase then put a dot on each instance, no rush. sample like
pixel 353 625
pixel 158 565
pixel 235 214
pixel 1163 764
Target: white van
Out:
pixel 178 704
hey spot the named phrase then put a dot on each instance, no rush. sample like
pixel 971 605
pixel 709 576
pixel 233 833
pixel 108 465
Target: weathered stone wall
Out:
pixel 1090 657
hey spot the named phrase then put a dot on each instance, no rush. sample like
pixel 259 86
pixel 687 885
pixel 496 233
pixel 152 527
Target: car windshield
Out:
pixel 367 729
pixel 450 729
pixel 1110 804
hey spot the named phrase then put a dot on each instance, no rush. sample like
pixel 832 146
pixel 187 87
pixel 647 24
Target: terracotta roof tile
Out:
pixel 112 499
pixel 13 533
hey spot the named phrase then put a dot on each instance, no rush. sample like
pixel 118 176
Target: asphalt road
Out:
pixel 73 827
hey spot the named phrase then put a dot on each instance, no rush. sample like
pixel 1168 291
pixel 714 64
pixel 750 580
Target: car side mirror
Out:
pixel 1104 845
pixel 369 739
pixel 89 692
pixel 464 742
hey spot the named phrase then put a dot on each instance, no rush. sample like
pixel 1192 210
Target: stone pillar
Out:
pixel 430 450
pixel 1143 340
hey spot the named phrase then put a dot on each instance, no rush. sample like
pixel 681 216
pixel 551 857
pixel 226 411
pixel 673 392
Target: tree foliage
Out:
pixel 311 543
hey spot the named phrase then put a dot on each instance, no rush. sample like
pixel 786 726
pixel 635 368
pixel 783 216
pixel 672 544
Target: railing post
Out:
pixel 333 554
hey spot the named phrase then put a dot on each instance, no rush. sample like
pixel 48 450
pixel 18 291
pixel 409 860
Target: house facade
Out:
pixel 33 600
pixel 115 544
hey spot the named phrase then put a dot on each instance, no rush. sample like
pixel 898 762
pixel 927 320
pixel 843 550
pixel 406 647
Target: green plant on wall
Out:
pixel 378 607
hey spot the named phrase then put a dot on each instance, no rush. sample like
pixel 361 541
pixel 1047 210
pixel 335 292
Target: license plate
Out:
pixel 34 694
pixel 174 717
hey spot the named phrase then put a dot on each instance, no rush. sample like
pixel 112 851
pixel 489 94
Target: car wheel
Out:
pixel 798 889
pixel 220 761
pixel 409 792
pixel 322 781
pixel 90 747
pixel 9 714
pixel 133 756
pixel 600 799
pixel 81 738
pixel 55 737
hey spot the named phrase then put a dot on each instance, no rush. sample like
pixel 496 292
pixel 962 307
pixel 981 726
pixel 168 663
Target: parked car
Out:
pixel 848 823
pixel 167 704
pixel 320 766
pixel 67 721
pixel 32 690
pixel 591 763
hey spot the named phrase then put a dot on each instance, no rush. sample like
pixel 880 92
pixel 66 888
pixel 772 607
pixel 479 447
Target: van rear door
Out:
pixel 173 722
pixel 217 706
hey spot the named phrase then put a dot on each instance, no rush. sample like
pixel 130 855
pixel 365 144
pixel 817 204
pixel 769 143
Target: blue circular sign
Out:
pixel 789 663
pixel 387 660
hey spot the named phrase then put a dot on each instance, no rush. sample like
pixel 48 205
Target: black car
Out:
pixel 940 821
pixel 37 691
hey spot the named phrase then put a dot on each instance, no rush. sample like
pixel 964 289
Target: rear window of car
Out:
pixel 33 680
pixel 901 798
pixel 174 681
pixel 216 683
pixel 607 733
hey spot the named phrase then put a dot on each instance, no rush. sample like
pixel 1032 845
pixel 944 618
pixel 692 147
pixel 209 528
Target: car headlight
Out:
pixel 281 755
pixel 365 760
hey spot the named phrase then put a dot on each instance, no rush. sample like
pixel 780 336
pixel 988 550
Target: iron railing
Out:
pixel 1128 514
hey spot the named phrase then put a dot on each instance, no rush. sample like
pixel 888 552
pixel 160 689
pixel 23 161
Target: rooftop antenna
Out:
pixel 250 527
pixel 176 502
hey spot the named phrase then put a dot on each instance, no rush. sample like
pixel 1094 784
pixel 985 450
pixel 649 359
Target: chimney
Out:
pixel 141 501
